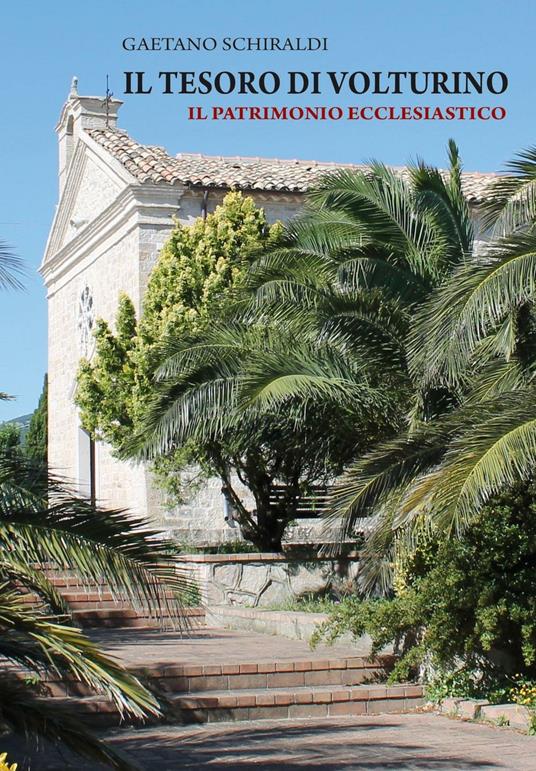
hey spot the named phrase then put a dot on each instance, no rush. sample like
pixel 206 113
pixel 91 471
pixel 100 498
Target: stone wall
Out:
pixel 118 484
pixel 264 580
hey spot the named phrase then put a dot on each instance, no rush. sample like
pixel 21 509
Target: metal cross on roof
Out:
pixel 106 102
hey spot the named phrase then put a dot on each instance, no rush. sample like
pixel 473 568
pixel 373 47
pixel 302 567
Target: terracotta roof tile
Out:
pixel 152 164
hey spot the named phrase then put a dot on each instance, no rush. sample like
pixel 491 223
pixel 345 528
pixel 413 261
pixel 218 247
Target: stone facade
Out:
pixel 105 238
pixel 115 211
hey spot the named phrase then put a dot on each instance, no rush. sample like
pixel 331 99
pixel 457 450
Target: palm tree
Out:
pixel 48 525
pixel 325 323
pixel 369 250
pixel 475 340
pixel 379 258
pixel 366 255
pixel 201 402
pixel 43 523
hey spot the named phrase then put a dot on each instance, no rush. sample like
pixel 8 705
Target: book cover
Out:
pixel 268 285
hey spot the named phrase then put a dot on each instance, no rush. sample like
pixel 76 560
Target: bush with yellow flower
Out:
pixel 4 765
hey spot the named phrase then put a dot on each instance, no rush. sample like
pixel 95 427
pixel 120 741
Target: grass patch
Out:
pixel 309 603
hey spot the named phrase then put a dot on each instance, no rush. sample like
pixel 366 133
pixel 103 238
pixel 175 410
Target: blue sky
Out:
pixel 43 45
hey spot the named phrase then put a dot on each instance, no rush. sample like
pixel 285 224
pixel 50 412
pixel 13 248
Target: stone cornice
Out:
pixel 112 165
pixel 63 209
pixel 141 205
pixel 85 148
pixel 245 557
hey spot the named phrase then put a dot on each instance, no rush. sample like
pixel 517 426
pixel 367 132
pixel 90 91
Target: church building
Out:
pixel 117 202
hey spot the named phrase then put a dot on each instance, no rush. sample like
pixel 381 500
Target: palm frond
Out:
pixel 371 272
pixel 490 455
pixel 11 268
pixel 489 447
pixel 382 202
pixel 33 580
pixel 309 372
pixel 495 377
pixel 37 720
pixel 443 198
pixel 511 201
pixel 39 643
pixel 372 482
pixel 471 305
pixel 55 526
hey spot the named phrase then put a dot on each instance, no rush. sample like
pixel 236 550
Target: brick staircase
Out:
pixel 95 607
pixel 257 691
pixel 313 688
pixel 290 681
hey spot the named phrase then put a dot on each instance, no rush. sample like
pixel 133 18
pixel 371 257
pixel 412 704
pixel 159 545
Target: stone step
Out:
pixel 95 711
pixel 76 594
pixel 337 671
pixel 262 704
pixel 116 614
pixel 74 582
pixel 83 601
pixel 213 674
pixel 74 589
pixel 94 605
pixel 299 702
pixel 283 623
pixel 110 618
pixel 127 617
pixel 97 604
pixel 79 600
pixel 170 679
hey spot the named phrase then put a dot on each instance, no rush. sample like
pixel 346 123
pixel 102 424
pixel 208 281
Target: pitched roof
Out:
pixel 152 164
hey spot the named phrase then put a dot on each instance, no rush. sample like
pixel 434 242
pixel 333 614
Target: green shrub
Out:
pixel 467 683
pixel 10 439
pixel 35 445
pixel 308 603
pixel 467 605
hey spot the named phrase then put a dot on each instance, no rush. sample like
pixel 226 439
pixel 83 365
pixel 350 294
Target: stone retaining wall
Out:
pixel 511 715
pixel 265 580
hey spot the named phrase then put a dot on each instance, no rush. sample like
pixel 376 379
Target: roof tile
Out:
pixel 150 163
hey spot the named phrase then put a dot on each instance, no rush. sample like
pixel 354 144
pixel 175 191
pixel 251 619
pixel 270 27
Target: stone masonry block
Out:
pixel 308 710
pixel 227 575
pixel 470 708
pixel 514 715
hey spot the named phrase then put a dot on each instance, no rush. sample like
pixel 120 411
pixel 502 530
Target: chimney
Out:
pixel 79 113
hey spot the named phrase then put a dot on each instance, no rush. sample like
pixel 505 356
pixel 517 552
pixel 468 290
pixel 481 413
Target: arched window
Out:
pixel 69 140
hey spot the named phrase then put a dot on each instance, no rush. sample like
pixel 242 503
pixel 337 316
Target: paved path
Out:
pixel 411 741
pixel 373 743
